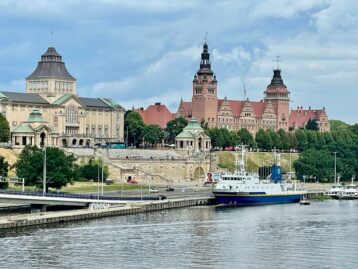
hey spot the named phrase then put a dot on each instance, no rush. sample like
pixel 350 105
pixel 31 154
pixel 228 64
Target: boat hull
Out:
pixel 262 199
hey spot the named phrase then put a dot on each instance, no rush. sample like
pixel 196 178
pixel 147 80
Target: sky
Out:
pixel 141 52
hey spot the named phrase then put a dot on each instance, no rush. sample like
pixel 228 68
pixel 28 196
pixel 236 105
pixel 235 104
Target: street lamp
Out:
pixel 335 167
pixel 44 173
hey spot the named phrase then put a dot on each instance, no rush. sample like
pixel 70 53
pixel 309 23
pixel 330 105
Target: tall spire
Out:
pixel 277 80
pixel 205 65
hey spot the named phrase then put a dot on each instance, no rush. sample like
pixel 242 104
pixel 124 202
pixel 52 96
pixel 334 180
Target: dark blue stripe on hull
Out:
pixel 257 200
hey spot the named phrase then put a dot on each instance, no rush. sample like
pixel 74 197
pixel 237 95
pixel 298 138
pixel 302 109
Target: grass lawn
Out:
pixel 86 187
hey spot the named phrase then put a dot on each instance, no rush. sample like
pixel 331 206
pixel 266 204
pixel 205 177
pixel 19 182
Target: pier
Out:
pixel 131 207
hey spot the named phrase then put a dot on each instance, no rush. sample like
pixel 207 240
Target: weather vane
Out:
pixel 206 35
pixel 277 60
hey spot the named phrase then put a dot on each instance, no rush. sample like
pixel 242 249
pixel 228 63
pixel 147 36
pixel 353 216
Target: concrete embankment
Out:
pixel 22 220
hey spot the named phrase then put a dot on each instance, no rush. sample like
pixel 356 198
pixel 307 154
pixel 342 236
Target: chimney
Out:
pixel 157 103
pixel 309 108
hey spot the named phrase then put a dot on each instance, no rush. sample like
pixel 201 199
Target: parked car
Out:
pixel 169 189
pixel 154 190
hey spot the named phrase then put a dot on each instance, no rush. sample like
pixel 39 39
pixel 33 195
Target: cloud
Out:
pixel 285 8
pixel 140 52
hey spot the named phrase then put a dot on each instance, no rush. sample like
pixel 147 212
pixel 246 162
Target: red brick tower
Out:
pixel 279 96
pixel 205 100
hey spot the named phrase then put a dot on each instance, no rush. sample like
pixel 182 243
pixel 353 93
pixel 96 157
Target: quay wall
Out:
pixel 16 221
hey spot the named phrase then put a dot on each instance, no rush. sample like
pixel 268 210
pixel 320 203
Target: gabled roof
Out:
pixel 23 128
pixel 62 99
pixel 236 106
pixel 258 108
pixel 20 97
pixel 187 108
pixel 299 117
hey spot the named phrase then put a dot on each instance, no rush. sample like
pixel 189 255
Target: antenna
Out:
pixel 206 35
pixel 51 45
pixel 244 91
pixel 277 60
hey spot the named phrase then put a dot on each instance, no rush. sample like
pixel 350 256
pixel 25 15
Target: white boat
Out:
pixel 245 188
pixel 305 201
pixel 344 192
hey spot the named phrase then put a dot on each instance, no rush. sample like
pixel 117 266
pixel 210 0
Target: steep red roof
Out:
pixel 299 117
pixel 187 108
pixel 236 106
pixel 258 108
pixel 157 114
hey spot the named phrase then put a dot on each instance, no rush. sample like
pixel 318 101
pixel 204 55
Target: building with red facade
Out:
pixel 270 113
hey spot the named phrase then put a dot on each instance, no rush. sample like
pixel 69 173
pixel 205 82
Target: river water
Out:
pixel 322 235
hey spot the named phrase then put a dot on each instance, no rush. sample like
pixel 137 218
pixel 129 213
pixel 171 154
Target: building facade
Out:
pixel 51 113
pixel 270 113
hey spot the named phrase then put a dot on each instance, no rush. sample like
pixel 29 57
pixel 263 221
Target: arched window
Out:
pixel 71 115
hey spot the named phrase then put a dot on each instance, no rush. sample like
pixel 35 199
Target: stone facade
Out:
pixel 77 121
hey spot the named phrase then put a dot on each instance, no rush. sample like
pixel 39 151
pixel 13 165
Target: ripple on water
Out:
pixel 322 235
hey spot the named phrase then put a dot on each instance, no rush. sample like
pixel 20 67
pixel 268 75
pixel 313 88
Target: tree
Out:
pixel 93 170
pixel 285 140
pixel 60 168
pixel 337 125
pixel 4 169
pixel 314 163
pixel 275 138
pixel 152 134
pixel 246 137
pixel 175 127
pixel 302 139
pixel 263 140
pixel 4 129
pixel 134 124
pixel 217 139
pixel 312 125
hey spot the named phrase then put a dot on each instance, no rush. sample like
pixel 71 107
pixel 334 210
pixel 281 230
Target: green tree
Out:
pixel 217 139
pixel 275 138
pixel 175 127
pixel 4 129
pixel 152 134
pixel 312 125
pixel 285 143
pixel 338 125
pixel 134 124
pixel 4 169
pixel 246 137
pixel 293 140
pixel 354 129
pixel 302 139
pixel 93 170
pixel 311 138
pixel 314 163
pixel 263 140
pixel 61 168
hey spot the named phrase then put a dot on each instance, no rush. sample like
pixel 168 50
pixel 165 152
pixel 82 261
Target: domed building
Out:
pixel 192 139
pixel 51 113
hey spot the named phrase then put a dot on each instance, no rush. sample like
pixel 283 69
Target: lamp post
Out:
pixel 335 167
pixel 290 166
pixel 44 173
